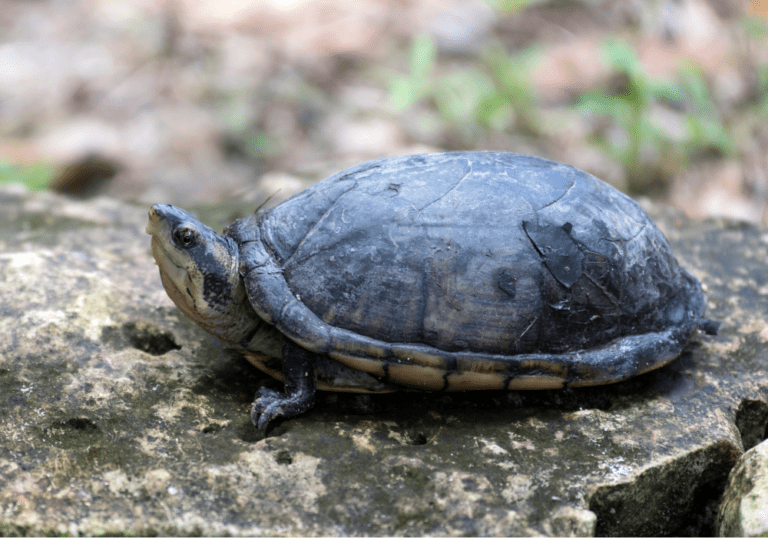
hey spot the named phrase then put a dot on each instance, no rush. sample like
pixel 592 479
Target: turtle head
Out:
pixel 199 270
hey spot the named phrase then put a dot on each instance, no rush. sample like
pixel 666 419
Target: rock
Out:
pixel 743 512
pixel 119 415
pixel 715 188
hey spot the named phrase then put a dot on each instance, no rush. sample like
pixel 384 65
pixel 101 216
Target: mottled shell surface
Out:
pixel 472 270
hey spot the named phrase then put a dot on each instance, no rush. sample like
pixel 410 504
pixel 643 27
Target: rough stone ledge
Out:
pixel 118 415
pixel 743 510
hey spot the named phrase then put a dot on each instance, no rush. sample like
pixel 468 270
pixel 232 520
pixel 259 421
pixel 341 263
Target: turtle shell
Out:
pixel 473 270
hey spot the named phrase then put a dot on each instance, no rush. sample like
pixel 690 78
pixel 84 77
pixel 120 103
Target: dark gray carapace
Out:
pixel 454 271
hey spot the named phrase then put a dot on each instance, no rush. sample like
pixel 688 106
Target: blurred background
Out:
pixel 196 102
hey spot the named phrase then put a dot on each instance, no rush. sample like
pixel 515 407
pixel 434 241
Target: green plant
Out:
pixel 511 6
pixel 512 97
pixel 761 74
pixel 630 109
pixel 706 131
pixel 36 176
pixel 405 90
pixel 493 93
pixel 754 26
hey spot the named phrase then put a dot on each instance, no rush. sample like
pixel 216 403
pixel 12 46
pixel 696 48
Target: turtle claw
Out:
pixel 267 406
pixel 270 404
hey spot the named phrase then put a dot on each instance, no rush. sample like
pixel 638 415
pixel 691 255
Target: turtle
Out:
pixel 444 271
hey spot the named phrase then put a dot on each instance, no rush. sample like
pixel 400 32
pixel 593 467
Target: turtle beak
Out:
pixel 155 229
pixel 159 226
pixel 156 216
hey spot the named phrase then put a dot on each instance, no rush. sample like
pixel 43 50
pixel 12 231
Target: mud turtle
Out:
pixel 448 271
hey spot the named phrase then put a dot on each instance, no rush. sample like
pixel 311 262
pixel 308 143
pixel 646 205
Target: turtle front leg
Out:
pixel 299 379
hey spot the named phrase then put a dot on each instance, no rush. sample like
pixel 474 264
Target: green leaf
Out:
pixel 695 87
pixel 511 6
pixel 422 57
pixel 622 57
pixel 599 102
pixel 754 26
pixel 704 132
pixel 458 95
pixel 491 111
pixel 666 89
pixel 36 177
pixel 762 77
pixel 403 92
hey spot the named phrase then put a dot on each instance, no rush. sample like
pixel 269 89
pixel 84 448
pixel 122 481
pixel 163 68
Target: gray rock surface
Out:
pixel 744 511
pixel 118 415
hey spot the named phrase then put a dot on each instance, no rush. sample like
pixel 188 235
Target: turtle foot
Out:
pixel 270 404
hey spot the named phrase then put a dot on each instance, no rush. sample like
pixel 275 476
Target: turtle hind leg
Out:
pixel 300 386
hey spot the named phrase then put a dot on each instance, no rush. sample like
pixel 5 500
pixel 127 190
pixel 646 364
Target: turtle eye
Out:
pixel 185 237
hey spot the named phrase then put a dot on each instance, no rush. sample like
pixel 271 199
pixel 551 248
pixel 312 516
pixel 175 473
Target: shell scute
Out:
pixel 471 270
